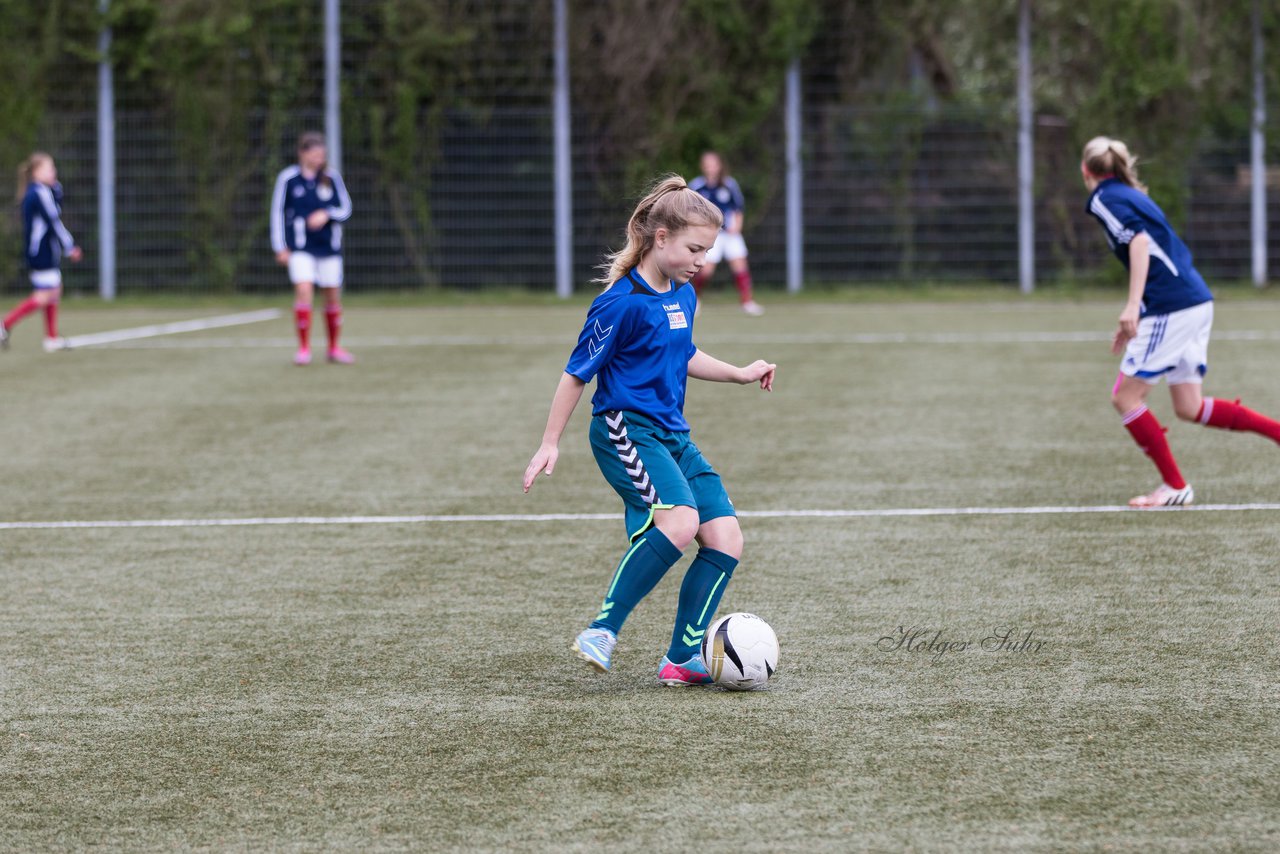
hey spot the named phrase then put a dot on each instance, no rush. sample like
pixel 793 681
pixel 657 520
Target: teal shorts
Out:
pixel 652 468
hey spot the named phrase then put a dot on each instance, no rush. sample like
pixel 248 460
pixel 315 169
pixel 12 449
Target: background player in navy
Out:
pixel 307 208
pixel 45 239
pixel 1164 328
pixel 638 344
pixel 723 192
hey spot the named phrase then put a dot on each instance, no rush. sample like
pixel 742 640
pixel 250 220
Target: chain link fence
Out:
pixel 458 193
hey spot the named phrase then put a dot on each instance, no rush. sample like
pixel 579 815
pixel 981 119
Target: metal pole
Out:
pixel 795 183
pixel 332 75
pixel 563 175
pixel 1026 169
pixel 106 162
pixel 1258 166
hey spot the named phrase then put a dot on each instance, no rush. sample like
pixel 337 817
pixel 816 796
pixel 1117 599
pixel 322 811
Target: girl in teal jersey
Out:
pixel 638 345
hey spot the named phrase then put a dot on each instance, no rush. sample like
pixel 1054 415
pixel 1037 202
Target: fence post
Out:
pixel 1026 169
pixel 1258 166
pixel 106 162
pixel 332 76
pixel 563 176
pixel 795 183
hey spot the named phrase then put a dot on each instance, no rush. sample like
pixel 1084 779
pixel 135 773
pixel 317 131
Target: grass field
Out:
pixel 409 685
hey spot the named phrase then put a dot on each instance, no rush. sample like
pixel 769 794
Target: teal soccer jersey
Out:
pixel 637 344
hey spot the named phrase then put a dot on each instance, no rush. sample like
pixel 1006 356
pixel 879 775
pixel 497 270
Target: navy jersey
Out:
pixel 295 198
pixel 46 238
pixel 726 195
pixel 1173 283
pixel 637 343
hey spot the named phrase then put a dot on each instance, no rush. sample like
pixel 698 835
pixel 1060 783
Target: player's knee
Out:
pixel 727 539
pixel 1124 402
pixel 1186 411
pixel 679 525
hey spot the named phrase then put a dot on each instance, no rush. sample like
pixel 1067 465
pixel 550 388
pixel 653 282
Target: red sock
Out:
pixel 302 313
pixel 24 308
pixel 333 315
pixel 51 320
pixel 1228 415
pixel 743 281
pixel 1149 435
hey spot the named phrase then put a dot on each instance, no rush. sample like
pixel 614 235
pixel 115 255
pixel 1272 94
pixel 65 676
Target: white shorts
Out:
pixel 322 272
pixel 730 246
pixel 1174 346
pixel 43 280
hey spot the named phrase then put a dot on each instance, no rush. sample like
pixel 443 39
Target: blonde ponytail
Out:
pixel 1104 156
pixel 25 169
pixel 669 204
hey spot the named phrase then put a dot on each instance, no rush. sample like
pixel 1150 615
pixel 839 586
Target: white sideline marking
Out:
pixel 614 517
pixel 94 339
pixel 851 338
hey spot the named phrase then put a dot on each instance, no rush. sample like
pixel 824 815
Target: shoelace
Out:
pixel 603 642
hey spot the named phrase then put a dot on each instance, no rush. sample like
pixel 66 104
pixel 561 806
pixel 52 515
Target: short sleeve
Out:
pixel 1121 220
pixel 739 203
pixel 599 339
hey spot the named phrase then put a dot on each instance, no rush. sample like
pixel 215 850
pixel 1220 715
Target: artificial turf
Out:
pixel 410 686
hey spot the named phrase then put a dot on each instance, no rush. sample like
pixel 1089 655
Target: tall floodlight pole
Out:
pixel 562 171
pixel 332 77
pixel 106 162
pixel 1026 198
pixel 795 185
pixel 1258 166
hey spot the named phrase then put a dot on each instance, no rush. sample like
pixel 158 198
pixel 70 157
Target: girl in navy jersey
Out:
pixel 307 208
pixel 638 345
pixel 723 192
pixel 45 239
pixel 1164 328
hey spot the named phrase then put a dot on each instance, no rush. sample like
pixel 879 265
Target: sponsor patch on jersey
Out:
pixel 324 192
pixel 677 320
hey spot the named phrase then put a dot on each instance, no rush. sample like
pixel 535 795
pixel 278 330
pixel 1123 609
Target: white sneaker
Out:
pixel 53 345
pixel 1165 496
pixel 753 308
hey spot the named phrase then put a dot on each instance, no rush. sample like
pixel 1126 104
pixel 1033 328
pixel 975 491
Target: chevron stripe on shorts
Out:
pixel 630 456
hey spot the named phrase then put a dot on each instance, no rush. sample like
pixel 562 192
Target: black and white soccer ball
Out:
pixel 740 652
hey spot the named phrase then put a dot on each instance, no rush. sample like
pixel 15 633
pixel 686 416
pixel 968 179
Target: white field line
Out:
pixel 95 339
pixel 500 518
pixel 851 339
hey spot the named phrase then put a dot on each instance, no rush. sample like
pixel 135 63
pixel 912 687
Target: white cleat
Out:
pixel 1165 496
pixel 4 337
pixel 53 345
pixel 753 308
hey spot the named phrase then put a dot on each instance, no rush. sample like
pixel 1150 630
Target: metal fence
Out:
pixel 925 193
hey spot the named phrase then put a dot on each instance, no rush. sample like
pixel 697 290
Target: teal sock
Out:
pixel 700 594
pixel 642 567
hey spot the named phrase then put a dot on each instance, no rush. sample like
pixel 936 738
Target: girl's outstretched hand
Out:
pixel 543 460
pixel 760 371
